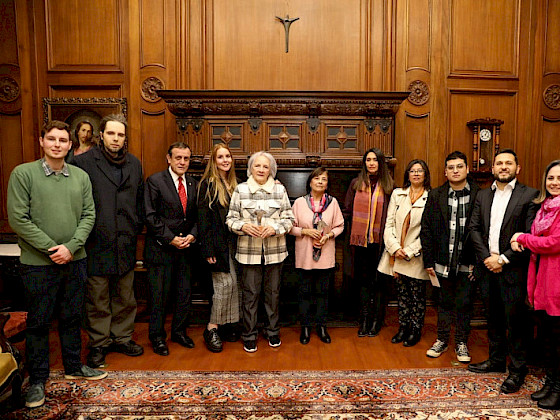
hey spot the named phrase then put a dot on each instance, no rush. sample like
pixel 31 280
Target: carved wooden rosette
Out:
pixel 551 96
pixel 301 129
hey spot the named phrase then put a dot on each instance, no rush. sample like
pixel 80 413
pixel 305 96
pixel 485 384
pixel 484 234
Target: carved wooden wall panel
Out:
pixel 417 135
pixel 84 35
pixel 327 48
pixel 418 34
pixel 552 41
pixel 468 105
pixel 485 37
pixel 11 153
pixel 549 146
pixel 153 146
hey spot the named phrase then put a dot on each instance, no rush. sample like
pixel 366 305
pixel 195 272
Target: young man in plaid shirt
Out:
pixel 449 256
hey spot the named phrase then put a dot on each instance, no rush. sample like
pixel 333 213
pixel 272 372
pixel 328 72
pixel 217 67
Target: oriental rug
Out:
pixel 452 393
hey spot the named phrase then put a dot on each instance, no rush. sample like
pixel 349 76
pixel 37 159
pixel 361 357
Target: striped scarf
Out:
pixel 366 219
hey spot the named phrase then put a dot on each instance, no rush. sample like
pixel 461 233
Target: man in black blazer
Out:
pixel 500 211
pixel 171 214
pixel 448 253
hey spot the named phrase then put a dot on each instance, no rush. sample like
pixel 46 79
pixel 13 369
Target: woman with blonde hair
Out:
pixel 217 244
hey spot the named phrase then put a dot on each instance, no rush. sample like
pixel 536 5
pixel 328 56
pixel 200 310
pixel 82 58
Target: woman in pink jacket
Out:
pixel 543 280
pixel 318 220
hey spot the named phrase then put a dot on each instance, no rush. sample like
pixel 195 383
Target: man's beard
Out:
pixel 507 180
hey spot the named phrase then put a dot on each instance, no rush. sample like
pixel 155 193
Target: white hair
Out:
pixel 271 160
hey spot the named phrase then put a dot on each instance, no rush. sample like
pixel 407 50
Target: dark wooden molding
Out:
pixel 365 119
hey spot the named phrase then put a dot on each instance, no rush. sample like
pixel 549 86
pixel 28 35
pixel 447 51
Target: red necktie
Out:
pixel 182 194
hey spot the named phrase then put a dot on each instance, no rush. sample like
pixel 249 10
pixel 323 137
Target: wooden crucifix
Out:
pixel 287 23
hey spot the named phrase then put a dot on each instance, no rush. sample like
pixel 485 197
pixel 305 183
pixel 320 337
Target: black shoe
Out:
pixel 413 338
pixel 305 335
pixel 487 366
pixel 545 390
pixel 160 347
pixel 513 382
pixel 96 357
pixel 130 348
pixel 399 336
pixel 212 340
pixel 375 328
pixel 183 339
pixel 229 333
pixel 364 326
pixel 323 334
pixel 552 400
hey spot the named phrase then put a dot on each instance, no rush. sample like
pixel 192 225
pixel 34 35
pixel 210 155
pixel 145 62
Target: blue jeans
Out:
pixel 42 285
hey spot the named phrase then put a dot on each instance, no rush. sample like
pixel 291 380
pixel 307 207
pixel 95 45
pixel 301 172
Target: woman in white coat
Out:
pixel 402 257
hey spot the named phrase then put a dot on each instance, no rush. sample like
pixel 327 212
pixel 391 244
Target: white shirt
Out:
pixel 497 213
pixel 176 180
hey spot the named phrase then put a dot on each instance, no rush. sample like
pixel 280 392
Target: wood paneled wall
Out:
pixel 463 59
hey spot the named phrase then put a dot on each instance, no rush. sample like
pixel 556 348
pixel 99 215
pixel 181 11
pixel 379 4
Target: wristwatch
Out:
pixel 501 261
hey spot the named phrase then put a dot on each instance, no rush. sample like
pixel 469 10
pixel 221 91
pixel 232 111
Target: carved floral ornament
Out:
pixel 551 96
pixel 9 89
pixel 149 88
pixel 419 92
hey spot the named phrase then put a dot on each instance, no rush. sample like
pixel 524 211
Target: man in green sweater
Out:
pixel 50 207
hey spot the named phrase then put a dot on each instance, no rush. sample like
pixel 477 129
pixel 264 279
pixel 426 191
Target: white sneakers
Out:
pixel 439 347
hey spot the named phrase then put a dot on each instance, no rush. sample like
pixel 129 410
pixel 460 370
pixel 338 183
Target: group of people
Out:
pixel 78 222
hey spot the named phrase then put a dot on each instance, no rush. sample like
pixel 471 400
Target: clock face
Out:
pixel 485 134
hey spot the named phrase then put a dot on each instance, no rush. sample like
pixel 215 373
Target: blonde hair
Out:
pixel 544 194
pixel 217 189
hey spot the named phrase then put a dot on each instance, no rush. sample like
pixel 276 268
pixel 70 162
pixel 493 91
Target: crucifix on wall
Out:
pixel 287 23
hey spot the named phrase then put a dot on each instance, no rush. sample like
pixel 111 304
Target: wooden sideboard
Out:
pixel 302 129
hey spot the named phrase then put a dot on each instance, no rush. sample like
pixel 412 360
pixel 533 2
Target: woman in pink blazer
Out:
pixel 543 280
pixel 318 220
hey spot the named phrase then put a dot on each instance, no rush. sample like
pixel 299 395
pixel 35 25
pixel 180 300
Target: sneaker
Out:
pixel 35 396
pixel 88 373
pixel 130 348
pixel 250 346
pixel 96 357
pixel 462 352
pixel 274 341
pixel 437 349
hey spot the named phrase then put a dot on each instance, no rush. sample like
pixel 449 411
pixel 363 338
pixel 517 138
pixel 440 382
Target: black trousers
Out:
pixel 313 290
pixel 372 283
pixel 549 329
pixel 456 296
pixel 504 295
pixel 161 278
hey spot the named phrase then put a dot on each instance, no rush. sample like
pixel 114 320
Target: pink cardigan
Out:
pixel 304 244
pixel 543 287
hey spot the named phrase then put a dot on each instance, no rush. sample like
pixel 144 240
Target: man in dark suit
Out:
pixel 171 212
pixel 500 211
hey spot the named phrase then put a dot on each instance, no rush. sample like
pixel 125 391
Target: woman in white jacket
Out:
pixel 403 252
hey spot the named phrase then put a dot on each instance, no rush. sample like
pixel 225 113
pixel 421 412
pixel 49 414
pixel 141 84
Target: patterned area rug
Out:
pixel 381 394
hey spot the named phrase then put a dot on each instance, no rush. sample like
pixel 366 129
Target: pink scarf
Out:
pixel 546 215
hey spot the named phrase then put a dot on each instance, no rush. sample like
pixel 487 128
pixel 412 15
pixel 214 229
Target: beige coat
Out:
pixel 399 206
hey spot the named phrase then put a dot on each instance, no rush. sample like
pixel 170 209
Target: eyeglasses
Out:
pixel 459 167
pixel 416 171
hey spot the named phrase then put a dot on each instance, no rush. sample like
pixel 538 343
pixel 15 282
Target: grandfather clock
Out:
pixel 486 142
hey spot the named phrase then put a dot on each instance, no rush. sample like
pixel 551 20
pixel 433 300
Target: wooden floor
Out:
pixel 346 352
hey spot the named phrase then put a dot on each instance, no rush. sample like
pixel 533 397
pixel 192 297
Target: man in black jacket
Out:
pixel 171 214
pixel 500 211
pixel 447 253
pixel 118 188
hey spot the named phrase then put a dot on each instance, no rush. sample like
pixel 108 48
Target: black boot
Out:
pixel 552 400
pixel 375 328
pixel 364 325
pixel 545 390
pixel 413 338
pixel 400 335
pixel 305 335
